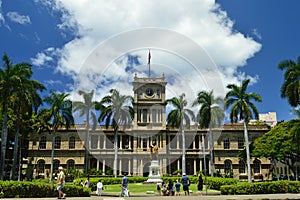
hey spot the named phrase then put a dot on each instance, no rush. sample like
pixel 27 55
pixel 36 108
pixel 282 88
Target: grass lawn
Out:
pixel 140 188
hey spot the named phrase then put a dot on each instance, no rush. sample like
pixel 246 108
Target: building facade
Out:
pixel 134 143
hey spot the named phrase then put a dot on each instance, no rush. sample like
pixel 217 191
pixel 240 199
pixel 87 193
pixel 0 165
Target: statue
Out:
pixel 154 152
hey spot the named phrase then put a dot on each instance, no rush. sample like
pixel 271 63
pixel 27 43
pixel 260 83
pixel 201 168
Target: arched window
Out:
pixel 42 143
pixel 71 164
pixel 256 166
pixel 72 142
pixel 41 166
pixel 56 164
pixel 57 142
pixel 227 166
pixel 242 167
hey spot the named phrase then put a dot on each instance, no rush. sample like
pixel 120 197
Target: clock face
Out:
pixel 149 92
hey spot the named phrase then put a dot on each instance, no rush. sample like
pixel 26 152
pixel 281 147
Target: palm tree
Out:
pixel 86 109
pixel 209 115
pixel 179 117
pixel 116 109
pixel 25 100
pixel 242 109
pixel 11 77
pixel 60 114
pixel 290 88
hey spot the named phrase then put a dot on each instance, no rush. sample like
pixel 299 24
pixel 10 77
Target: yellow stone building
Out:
pixel 149 127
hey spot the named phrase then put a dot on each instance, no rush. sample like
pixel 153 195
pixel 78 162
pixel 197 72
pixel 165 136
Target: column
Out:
pixel 129 167
pixel 201 166
pixel 120 167
pixel 194 144
pixel 103 167
pixel 129 142
pixel 178 164
pixel 97 164
pixel 134 166
pixel 141 168
pixel 177 141
pixel 104 142
pixel 98 145
pixel 195 167
pixel 121 142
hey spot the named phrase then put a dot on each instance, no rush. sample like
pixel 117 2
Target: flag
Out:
pixel 149 57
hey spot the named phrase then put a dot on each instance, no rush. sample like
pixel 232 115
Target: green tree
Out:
pixel 280 144
pixel 242 108
pixel 179 117
pixel 86 108
pixel 12 78
pixel 60 115
pixel 116 109
pixel 290 88
pixel 25 100
pixel 209 115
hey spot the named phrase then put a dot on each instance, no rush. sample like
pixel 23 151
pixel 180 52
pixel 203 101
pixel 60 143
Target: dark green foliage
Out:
pixel 273 187
pixel 13 189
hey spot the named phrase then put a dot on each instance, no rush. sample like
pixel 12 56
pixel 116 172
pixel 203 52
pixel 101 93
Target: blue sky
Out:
pixel 245 39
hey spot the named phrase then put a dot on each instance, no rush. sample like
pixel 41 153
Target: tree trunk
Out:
pixel 52 156
pixel 87 144
pixel 3 141
pixel 116 154
pixel 212 167
pixel 16 147
pixel 247 152
pixel 183 148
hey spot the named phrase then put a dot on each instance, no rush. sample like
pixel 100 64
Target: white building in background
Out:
pixel 269 118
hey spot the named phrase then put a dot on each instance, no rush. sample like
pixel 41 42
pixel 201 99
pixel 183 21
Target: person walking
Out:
pixel 185 181
pixel 177 186
pixel 125 186
pixel 99 188
pixel 60 183
pixel 200 185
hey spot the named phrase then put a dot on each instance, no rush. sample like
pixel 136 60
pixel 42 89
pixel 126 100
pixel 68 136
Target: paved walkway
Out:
pixel 192 197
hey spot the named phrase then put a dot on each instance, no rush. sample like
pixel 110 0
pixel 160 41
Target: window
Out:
pixel 94 141
pixel 256 166
pixel 41 166
pixel 56 164
pixel 43 142
pixel 226 143
pixel 57 142
pixel 154 115
pixel 241 143
pixel 241 167
pixel 72 142
pixel 227 166
pixel 158 94
pixel 70 164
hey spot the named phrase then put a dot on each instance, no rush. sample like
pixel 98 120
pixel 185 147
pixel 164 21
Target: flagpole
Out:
pixel 149 57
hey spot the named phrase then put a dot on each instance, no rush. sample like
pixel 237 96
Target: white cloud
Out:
pixel 203 21
pixel 2 20
pixel 16 17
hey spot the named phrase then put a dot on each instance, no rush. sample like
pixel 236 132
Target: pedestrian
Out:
pixel 99 188
pixel 200 185
pixel 82 183
pixel 185 181
pixel 177 186
pixel 60 183
pixel 87 182
pixel 124 185
pixel 158 188
pixel 171 188
pixel 164 189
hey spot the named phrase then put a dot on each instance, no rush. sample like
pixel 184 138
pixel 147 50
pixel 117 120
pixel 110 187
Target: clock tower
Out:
pixel 149 102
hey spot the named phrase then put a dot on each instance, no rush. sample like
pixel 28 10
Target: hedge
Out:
pixel 212 182
pixel 18 189
pixel 271 187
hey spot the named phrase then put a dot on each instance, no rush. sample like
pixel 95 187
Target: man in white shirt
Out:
pixel 60 183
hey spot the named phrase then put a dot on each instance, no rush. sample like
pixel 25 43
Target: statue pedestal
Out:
pixel 154 172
